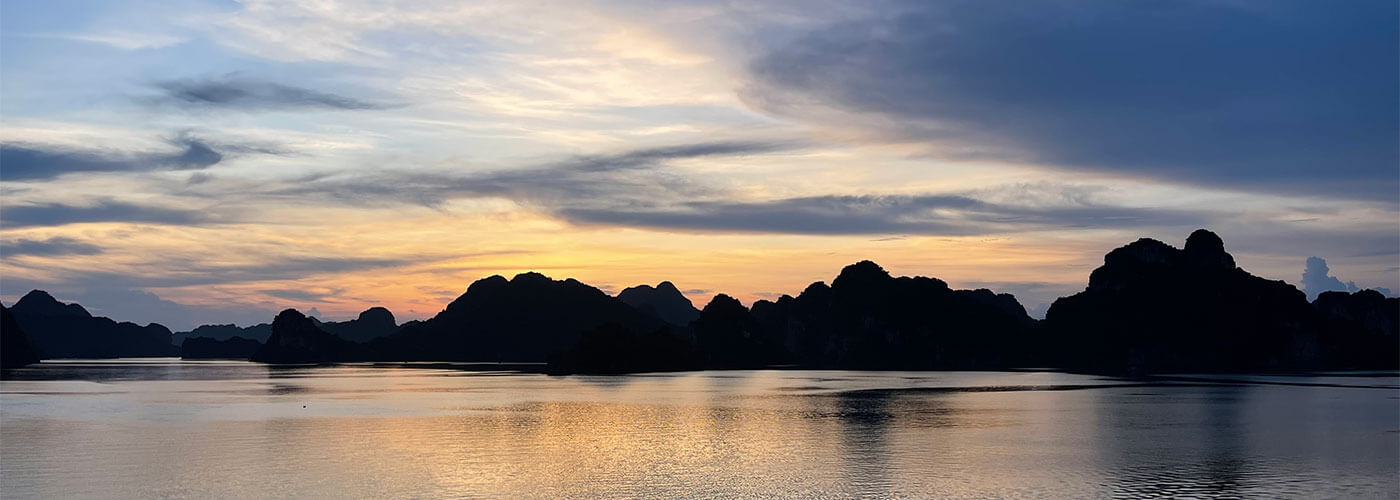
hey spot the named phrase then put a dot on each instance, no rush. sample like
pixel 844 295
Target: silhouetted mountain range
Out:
pixel 258 332
pixel 869 319
pixel 296 339
pixel 373 323
pixel 1358 330
pixel 611 349
pixel 1154 308
pixel 527 318
pixel 1150 308
pixel 15 350
pixel 58 330
pixel 210 348
pixel 664 301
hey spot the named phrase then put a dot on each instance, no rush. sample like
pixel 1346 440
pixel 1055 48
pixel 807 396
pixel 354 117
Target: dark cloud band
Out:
pixel 1289 96
pixel 19 162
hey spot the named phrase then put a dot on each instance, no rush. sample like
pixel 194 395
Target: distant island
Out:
pixel 1150 308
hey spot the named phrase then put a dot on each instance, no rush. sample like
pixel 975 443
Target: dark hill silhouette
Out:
pixel 1154 308
pixel 870 320
pixel 612 349
pixel 58 330
pixel 527 318
pixel 15 350
pixel 209 348
pixel 258 332
pixel 1359 330
pixel 663 301
pixel 373 323
pixel 729 337
pixel 296 339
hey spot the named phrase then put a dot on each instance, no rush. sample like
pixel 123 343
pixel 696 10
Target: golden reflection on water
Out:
pixel 372 432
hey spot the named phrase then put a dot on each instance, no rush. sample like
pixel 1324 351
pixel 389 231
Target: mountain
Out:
pixel 611 349
pixel 15 350
pixel 58 330
pixel 258 332
pixel 868 319
pixel 526 318
pixel 373 323
pixel 296 339
pixel 1154 308
pixel 663 301
pixel 1359 330
pixel 209 348
pixel 729 337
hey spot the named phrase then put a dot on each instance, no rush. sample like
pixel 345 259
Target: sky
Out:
pixel 198 162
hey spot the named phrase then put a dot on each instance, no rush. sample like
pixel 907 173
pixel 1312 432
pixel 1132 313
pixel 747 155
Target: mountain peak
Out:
pixel 530 276
pixel 39 302
pixel 377 315
pixel 862 272
pixel 288 316
pixel 1205 248
pixel 723 302
pixel 664 301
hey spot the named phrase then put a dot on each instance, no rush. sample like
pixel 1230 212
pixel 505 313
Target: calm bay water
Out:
pixel 167 428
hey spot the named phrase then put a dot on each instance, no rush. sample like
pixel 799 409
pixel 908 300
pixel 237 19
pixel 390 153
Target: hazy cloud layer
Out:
pixel 1292 95
pixel 26 162
pixel 239 93
pixel 195 271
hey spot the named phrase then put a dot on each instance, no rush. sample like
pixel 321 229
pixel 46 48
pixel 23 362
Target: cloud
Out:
pixel 614 178
pixel 944 214
pixel 635 189
pixel 57 214
pixel 1296 96
pixel 22 162
pixel 125 40
pixel 233 92
pixel 51 247
pixel 175 271
pixel 1317 279
pixel 295 295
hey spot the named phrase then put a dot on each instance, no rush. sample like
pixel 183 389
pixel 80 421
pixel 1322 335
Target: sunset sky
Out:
pixel 193 162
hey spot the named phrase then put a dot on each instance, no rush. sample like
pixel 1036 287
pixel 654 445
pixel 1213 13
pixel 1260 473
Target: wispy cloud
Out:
pixel 628 175
pixel 637 189
pixel 246 94
pixel 29 162
pixel 125 40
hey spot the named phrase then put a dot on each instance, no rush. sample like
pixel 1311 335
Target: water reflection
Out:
pixel 243 430
pixel 1188 448
pixel 865 419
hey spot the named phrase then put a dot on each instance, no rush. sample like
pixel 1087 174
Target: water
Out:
pixel 166 428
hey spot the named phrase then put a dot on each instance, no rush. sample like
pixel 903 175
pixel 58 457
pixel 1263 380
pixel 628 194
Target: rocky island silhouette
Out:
pixel 1150 308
